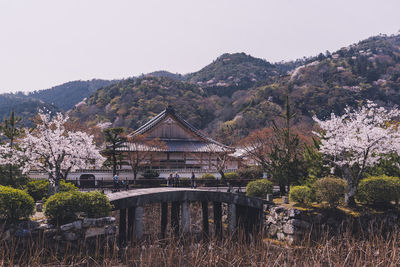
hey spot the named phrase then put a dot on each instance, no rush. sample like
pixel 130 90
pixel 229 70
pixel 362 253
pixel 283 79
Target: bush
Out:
pixel 64 207
pixel 300 194
pixel 207 176
pixel 331 190
pixel 232 175
pixel 208 179
pixel 39 189
pixel 251 173
pixel 379 190
pixel 15 204
pixel 259 188
pixel 95 204
pixel 148 174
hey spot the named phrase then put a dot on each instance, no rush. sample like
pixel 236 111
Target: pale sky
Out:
pixel 44 43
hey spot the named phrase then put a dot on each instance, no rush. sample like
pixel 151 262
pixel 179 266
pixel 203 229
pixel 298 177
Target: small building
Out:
pixel 180 147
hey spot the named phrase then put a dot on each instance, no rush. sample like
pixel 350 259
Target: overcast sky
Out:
pixel 48 42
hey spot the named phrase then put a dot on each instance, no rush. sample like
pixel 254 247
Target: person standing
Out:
pixel 170 180
pixel 115 182
pixel 193 181
pixel 176 179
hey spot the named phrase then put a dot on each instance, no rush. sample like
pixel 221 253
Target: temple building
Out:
pixel 170 144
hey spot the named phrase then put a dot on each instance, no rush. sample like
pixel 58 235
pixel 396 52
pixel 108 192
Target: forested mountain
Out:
pixel 25 107
pixel 238 93
pixel 323 84
pixel 232 72
pixel 66 95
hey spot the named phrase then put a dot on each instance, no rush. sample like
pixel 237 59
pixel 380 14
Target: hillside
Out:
pixel 232 72
pixel 26 108
pixel 66 95
pixel 237 93
pixel 130 103
pixel 324 84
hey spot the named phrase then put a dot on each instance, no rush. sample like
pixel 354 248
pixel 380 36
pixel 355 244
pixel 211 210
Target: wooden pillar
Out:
pixel 204 207
pixel 232 217
pixel 138 225
pixel 122 226
pixel 217 209
pixel 175 217
pixel 185 216
pixel 131 217
pixel 164 218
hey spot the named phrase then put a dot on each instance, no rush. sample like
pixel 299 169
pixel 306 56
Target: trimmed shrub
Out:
pixel 15 204
pixel 300 194
pixel 259 188
pixel 208 179
pixel 64 207
pixel 95 204
pixel 232 175
pixel 379 190
pixel 39 189
pixel 148 174
pixel 252 173
pixel 331 190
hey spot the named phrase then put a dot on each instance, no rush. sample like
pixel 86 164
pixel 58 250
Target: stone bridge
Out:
pixel 244 211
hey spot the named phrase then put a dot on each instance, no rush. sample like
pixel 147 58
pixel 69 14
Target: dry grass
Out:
pixel 371 247
pixel 341 250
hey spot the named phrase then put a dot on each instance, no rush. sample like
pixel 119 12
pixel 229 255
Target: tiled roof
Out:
pixel 178 145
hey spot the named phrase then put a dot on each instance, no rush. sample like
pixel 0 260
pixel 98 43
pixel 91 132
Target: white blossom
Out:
pixel 361 136
pixel 51 148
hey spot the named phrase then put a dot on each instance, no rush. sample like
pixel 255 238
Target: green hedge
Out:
pixel 300 194
pixel 208 179
pixel 259 188
pixel 379 190
pixel 252 173
pixel 64 207
pixel 331 190
pixel 148 174
pixel 15 204
pixel 39 189
pixel 232 175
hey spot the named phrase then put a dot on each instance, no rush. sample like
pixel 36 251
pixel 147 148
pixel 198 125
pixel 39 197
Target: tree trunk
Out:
pixel 134 176
pixel 282 189
pixel 349 196
pixel 351 187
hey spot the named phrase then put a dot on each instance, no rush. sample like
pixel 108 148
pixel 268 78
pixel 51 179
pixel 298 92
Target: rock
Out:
pixel 70 236
pixel 77 225
pixel 39 206
pixel 67 227
pixel 88 222
pixel 280 236
pixel 290 239
pixel 96 231
pixel 272 230
pixel 285 200
pixel 293 213
pixel 288 228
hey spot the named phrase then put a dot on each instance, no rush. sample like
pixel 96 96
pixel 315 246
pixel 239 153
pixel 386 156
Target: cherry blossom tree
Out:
pixel 52 149
pixel 359 139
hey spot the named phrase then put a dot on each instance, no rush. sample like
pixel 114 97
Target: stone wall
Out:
pixel 83 230
pixel 285 224
pixel 293 225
